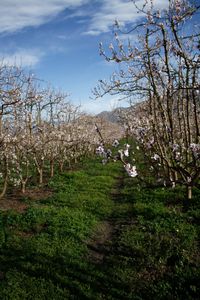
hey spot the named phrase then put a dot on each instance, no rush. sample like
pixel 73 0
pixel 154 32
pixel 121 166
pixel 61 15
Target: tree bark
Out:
pixel 5 183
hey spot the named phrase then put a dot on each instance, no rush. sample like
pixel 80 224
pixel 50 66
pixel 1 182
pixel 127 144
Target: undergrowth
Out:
pixel 152 253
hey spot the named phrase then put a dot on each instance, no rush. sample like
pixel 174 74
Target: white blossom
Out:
pixel 115 143
pixel 155 157
pixel 100 150
pixel 131 170
pixel 126 153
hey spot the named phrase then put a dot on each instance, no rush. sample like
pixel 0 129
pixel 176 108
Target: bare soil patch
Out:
pixel 99 243
pixel 17 201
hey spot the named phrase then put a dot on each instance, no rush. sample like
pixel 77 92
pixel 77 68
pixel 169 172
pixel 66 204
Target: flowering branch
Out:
pixel 107 154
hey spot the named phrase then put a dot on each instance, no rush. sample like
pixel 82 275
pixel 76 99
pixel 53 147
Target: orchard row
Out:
pixel 40 130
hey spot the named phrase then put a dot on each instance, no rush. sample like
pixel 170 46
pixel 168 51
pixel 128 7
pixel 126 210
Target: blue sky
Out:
pixel 58 40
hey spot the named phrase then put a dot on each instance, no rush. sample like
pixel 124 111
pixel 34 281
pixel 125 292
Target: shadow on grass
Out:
pixel 78 278
pixel 64 272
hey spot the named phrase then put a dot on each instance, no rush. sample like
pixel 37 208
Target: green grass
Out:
pixel 43 252
pixel 156 252
pixel 152 251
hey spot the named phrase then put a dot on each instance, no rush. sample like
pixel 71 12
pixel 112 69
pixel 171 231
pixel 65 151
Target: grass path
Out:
pixel 100 242
pixel 101 235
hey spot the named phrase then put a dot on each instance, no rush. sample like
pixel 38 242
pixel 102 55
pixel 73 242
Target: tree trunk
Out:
pixel 189 192
pixel 61 164
pixel 25 179
pixel 40 176
pixel 51 168
pixel 5 184
pixel 23 187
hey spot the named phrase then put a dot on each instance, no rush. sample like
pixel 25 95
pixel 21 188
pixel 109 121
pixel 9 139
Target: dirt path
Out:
pixel 101 242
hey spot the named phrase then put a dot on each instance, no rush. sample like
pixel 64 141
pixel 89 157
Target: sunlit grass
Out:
pixel 151 252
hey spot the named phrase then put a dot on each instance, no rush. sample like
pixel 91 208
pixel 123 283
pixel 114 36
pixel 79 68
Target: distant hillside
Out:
pixel 112 116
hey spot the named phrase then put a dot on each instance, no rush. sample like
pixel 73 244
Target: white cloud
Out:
pixel 18 14
pixel 123 11
pixel 62 37
pixel 107 103
pixel 22 57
